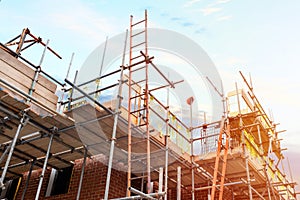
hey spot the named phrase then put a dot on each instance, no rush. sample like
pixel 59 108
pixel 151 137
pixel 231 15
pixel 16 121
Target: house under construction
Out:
pixel 79 146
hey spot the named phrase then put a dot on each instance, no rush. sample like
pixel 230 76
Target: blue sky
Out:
pixel 257 37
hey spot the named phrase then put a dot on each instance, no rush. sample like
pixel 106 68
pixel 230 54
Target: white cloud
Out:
pixel 210 10
pixel 222 1
pixel 218 2
pixel 190 3
pixel 224 18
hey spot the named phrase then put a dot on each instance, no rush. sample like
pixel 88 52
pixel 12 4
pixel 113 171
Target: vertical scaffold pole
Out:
pixel 64 85
pixel 160 180
pixel 147 109
pixel 27 180
pixel 291 176
pixel 72 90
pixel 44 168
pixel 114 132
pixel 178 183
pixel 97 94
pixel 37 71
pixel 267 162
pixel 82 173
pixel 262 149
pixel 166 145
pixel 190 101
pixel 167 149
pixel 243 144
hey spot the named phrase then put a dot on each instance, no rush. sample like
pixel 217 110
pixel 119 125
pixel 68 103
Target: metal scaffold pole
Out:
pixel 82 173
pixel 160 180
pixel 4 153
pixel 147 111
pixel 267 162
pixel 262 152
pixel 265 154
pixel 27 180
pixel 24 117
pixel 167 145
pixel 243 144
pixel 44 168
pixel 178 183
pixel 190 103
pixel 13 144
pixel 64 85
pixel 114 132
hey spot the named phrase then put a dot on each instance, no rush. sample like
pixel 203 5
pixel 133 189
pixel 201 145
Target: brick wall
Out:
pixel 93 185
pixel 199 195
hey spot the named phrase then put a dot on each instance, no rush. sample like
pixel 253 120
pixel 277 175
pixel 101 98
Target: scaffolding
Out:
pixel 239 154
pixel 30 126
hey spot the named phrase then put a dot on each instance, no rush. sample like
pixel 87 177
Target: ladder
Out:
pixel 222 145
pixel 138 94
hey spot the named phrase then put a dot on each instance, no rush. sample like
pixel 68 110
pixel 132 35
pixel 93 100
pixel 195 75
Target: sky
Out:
pixel 257 37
